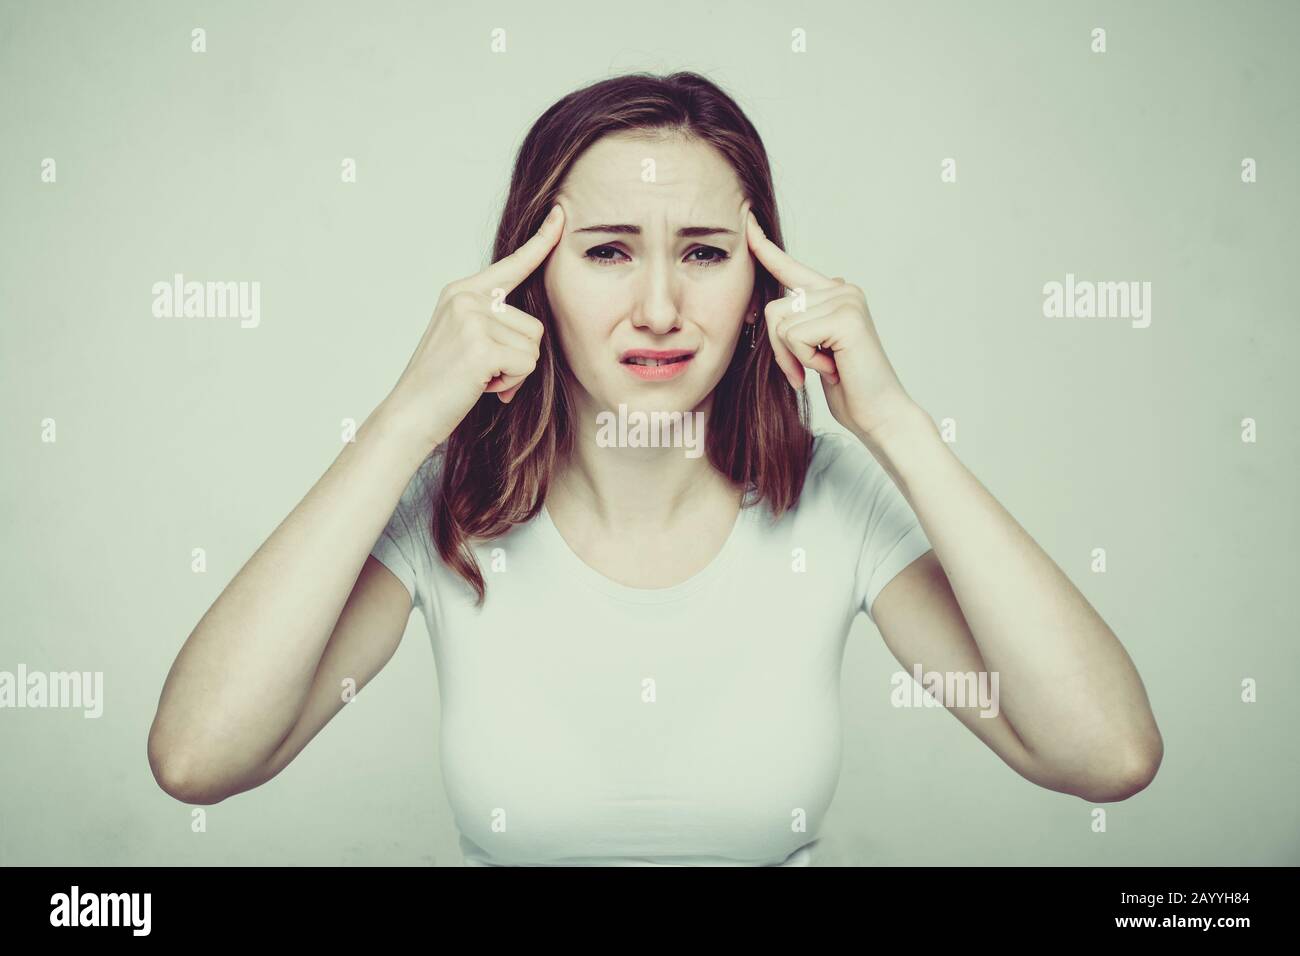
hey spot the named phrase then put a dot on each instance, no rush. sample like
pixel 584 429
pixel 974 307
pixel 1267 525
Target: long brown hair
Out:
pixel 498 463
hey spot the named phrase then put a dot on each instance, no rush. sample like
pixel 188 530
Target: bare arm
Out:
pixel 1073 713
pixel 245 675
pixel 262 671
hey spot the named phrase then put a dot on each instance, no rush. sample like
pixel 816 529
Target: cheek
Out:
pixel 719 303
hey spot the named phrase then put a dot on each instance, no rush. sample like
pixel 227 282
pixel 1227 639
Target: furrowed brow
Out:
pixel 686 232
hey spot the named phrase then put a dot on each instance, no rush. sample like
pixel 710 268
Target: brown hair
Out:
pixel 498 462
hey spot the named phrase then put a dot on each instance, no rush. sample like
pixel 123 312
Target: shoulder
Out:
pixel 840 465
pixel 415 507
pixel 845 482
pixel 427 477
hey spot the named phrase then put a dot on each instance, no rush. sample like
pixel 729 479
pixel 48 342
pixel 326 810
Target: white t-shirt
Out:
pixel 587 722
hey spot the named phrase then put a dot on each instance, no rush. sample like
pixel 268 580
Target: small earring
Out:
pixel 753 329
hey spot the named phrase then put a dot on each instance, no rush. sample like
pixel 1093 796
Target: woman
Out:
pixel 638 629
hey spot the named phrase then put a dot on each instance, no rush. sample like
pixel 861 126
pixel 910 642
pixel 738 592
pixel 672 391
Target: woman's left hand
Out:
pixel 825 325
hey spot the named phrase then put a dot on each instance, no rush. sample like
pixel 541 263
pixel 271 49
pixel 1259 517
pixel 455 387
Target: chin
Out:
pixel 662 400
pixel 681 394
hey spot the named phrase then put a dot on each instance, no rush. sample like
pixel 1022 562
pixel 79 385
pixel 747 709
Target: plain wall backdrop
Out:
pixel 181 433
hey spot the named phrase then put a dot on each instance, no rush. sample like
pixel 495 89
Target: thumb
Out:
pixel 504 385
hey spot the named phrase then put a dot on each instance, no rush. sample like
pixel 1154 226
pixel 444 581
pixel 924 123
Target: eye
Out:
pixel 591 254
pixel 608 255
pixel 719 256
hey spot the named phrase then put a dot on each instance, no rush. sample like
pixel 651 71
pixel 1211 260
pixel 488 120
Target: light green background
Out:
pixel 183 433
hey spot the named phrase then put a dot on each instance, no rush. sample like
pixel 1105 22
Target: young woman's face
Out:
pixel 653 260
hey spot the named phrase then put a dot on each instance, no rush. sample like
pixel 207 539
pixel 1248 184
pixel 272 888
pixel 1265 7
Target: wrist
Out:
pixel 391 427
pixel 904 418
pixel 902 441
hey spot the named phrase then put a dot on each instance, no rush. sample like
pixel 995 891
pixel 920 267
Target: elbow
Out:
pixel 175 773
pixel 1131 775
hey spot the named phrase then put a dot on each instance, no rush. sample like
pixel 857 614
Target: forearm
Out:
pixel 1066 684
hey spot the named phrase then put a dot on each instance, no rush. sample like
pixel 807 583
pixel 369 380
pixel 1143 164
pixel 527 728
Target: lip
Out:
pixel 655 373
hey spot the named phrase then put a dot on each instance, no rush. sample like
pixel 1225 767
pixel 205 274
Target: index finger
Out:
pixel 508 272
pixel 789 271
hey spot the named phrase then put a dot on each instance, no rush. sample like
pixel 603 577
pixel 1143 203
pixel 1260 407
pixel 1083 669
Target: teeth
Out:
pixel 654 362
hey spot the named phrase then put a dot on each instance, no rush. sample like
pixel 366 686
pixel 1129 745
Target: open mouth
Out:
pixel 654 362
pixel 652 365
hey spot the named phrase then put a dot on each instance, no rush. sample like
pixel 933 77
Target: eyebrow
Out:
pixel 685 232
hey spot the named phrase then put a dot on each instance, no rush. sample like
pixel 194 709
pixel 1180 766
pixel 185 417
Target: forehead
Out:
pixel 634 177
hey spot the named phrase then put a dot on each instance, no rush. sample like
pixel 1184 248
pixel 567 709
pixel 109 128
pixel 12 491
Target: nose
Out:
pixel 656 306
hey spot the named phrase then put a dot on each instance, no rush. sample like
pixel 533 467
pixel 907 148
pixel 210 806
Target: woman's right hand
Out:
pixel 474 343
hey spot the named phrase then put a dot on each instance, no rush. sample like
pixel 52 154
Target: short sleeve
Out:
pixel 892 536
pixel 405 544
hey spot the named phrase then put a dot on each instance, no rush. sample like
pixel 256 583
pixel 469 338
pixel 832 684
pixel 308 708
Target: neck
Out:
pixel 633 487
